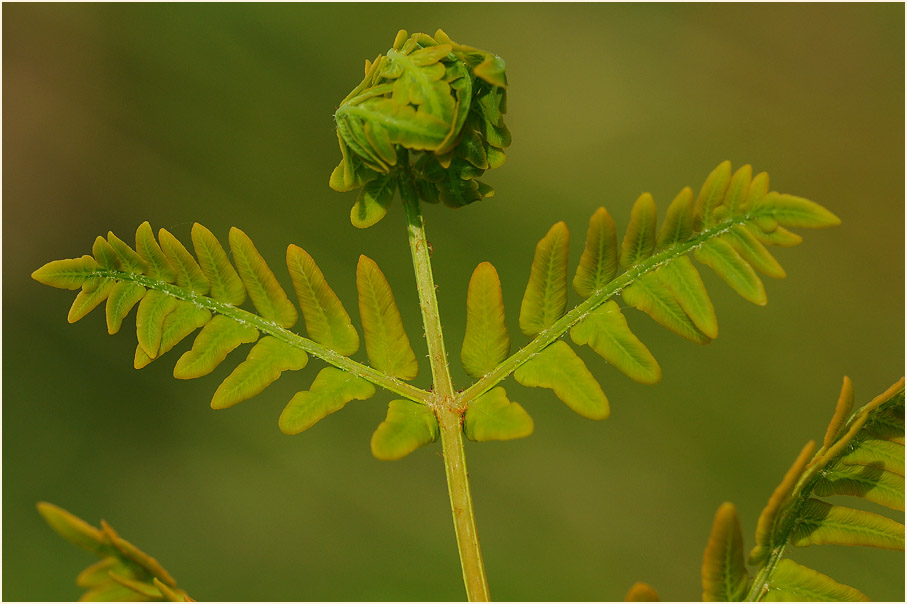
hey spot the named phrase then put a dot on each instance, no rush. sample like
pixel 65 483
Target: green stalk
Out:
pixel 444 403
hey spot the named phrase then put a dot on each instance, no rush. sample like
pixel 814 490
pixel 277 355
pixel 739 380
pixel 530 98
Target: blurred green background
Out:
pixel 222 114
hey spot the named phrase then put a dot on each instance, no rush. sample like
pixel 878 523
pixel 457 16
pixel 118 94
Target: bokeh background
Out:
pixel 115 114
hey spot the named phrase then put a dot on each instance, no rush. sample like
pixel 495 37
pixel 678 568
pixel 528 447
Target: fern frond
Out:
pixel 178 293
pixel 726 227
pixel 862 456
pixel 858 458
pixel 124 573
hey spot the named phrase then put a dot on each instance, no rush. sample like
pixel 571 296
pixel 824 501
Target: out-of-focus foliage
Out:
pixel 124 573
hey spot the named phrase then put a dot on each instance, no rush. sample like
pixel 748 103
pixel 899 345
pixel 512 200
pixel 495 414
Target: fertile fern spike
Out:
pixel 726 227
pixel 862 455
pixel 178 293
pixel 124 573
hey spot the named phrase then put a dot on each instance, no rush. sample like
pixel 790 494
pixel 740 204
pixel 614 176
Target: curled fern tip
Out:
pixel 430 111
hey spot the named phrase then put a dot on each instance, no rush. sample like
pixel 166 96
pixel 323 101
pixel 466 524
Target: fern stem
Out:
pixel 796 501
pixel 443 402
pixel 578 313
pixel 273 329
pixel 428 301
pixel 461 505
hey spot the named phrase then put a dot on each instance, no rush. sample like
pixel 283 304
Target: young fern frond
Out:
pixel 726 228
pixel 862 455
pixel 177 294
pixel 124 573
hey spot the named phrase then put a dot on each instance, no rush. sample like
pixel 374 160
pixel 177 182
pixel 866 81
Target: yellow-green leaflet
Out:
pixel 678 223
pixel 104 254
pixel 792 582
pixel 683 281
pixel 136 556
pixel 751 249
pixel 724 576
pixel 330 392
pixel 711 195
pixel 842 412
pixel 757 190
pixel 606 331
pixel 598 264
pixel 374 198
pixel 226 285
pixel 821 523
pixel 130 261
pixel 727 264
pixel 326 320
pixel 545 300
pixel 493 417
pixel 557 367
pixel 178 324
pixel 780 236
pixel 795 212
pixel 87 301
pixel 486 342
pixel 737 190
pixel 639 241
pixel 265 292
pixel 97 573
pixel 214 342
pixel 122 298
pixel 73 529
pixel 266 361
pixel 66 274
pixel 769 513
pixel 386 342
pixel 188 273
pixel 871 482
pixel 149 320
pixel 886 455
pixel 158 267
pixel 648 295
pixel 143 589
pixel 641 592
pixel 407 427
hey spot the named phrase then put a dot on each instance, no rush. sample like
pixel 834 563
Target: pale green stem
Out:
pixel 449 416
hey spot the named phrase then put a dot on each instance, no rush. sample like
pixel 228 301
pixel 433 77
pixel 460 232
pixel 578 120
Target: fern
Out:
pixel 862 455
pixel 124 573
pixel 426 121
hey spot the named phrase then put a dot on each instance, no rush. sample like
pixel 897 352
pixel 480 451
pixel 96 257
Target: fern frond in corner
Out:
pixel 178 293
pixel 726 227
pixel 124 573
pixel 862 455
